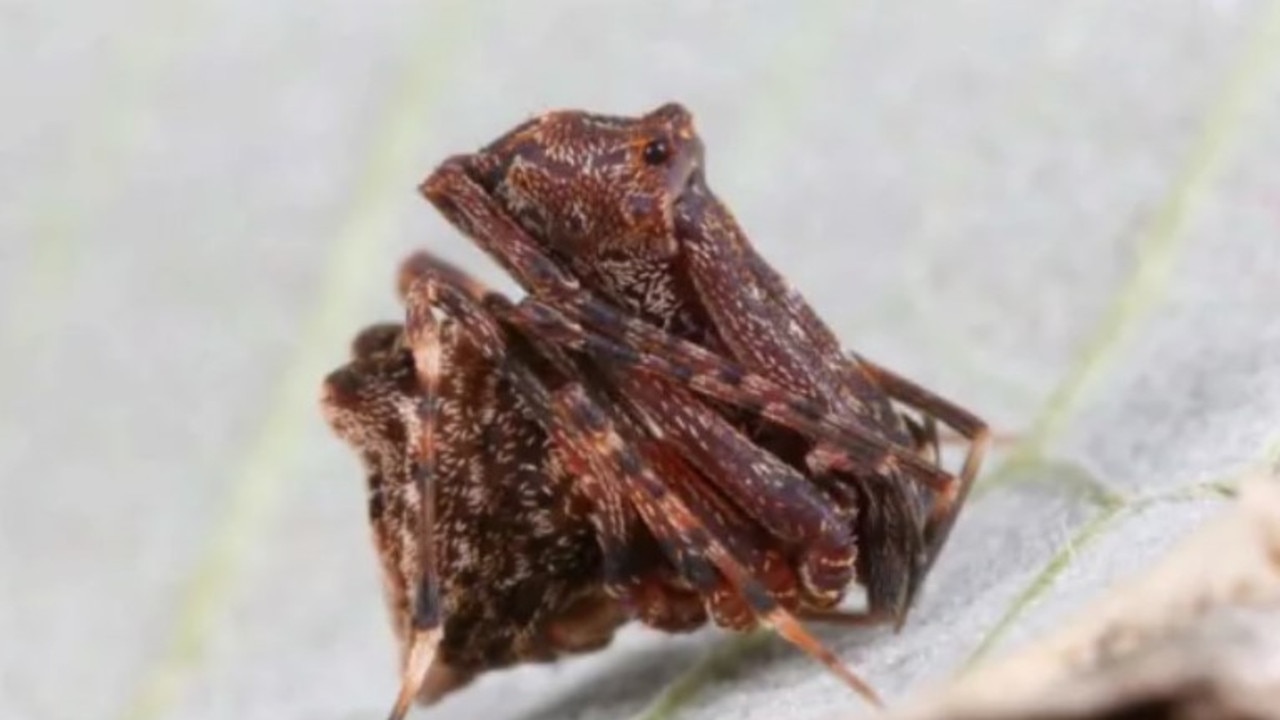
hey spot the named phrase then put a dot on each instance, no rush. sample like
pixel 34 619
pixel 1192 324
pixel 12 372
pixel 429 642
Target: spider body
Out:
pixel 661 430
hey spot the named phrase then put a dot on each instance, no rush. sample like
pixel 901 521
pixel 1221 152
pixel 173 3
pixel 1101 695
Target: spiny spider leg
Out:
pixel 943 516
pixel 425 263
pixel 681 534
pixel 815 330
pixel 707 223
pixel 745 540
pixel 846 618
pixel 768 327
pixel 422 335
pixel 924 431
pixel 465 204
pixel 361 402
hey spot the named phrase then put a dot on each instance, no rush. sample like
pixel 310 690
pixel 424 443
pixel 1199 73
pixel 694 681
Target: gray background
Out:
pixel 1064 215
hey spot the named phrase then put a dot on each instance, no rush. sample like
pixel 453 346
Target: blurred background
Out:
pixel 1063 215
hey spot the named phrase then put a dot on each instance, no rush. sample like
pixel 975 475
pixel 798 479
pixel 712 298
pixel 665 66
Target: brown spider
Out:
pixel 661 429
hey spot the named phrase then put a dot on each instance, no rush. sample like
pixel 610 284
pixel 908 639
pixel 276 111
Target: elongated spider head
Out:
pixel 589 186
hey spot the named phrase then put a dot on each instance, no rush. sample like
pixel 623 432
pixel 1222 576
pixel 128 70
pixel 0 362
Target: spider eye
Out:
pixel 656 152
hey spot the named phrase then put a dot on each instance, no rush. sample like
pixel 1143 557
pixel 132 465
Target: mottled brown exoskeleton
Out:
pixel 661 430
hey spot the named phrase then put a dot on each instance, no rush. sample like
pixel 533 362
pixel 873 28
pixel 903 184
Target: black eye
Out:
pixel 656 152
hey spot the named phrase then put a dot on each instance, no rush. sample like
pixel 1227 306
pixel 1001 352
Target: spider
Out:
pixel 661 430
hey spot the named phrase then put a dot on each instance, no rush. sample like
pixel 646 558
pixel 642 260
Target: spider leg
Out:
pixel 766 325
pixel 423 337
pixel 633 571
pixel 775 495
pixel 924 431
pixel 815 330
pixel 424 264
pixel 377 340
pixel 743 540
pixel 365 403
pixel 997 439
pixel 947 506
pixel 465 204
pixel 846 618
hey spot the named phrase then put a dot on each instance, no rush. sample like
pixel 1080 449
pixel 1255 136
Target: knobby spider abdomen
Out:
pixel 518 564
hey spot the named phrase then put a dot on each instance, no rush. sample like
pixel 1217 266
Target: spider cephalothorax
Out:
pixel 661 430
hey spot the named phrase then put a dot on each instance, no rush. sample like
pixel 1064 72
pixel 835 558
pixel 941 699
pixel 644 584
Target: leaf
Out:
pixel 1196 637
